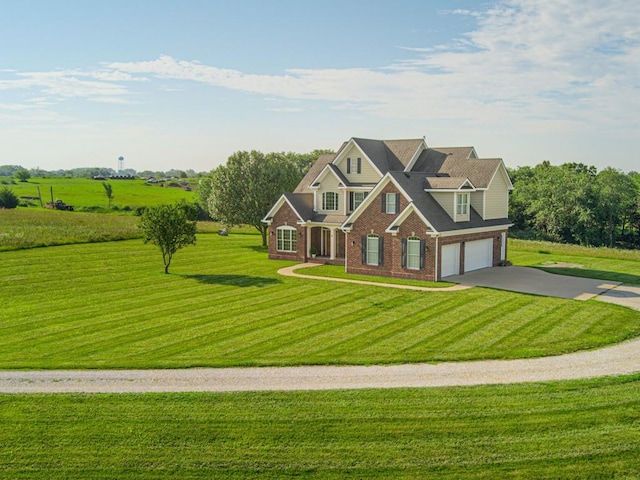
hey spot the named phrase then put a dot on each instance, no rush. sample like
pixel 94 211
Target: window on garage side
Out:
pixel 286 239
pixel 413 249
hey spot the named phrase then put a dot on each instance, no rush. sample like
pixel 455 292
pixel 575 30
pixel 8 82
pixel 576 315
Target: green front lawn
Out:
pixel 577 429
pixel 109 305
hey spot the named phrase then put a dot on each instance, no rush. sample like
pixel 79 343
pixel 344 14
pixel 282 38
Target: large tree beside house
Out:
pixel 243 190
pixel 396 208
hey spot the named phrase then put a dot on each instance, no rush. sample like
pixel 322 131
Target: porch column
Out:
pixel 308 242
pixel 333 244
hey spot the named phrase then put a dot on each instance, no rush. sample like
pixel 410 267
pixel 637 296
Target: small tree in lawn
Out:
pixel 23 175
pixel 170 228
pixel 108 191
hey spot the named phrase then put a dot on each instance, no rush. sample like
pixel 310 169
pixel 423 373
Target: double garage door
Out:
pixel 477 254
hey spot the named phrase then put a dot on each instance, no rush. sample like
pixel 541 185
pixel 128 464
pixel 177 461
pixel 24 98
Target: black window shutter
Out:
pixel 423 245
pixel 380 250
pixel 359 167
pixel 384 203
pixel 351 201
pixel 348 165
pixel 364 249
pixel 404 253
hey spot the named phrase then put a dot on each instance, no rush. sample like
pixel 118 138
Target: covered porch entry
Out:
pixel 326 244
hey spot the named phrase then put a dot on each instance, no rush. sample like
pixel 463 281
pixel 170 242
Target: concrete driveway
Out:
pixel 536 282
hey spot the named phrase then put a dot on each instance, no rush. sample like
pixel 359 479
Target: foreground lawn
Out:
pixel 602 263
pixel 578 429
pixel 109 305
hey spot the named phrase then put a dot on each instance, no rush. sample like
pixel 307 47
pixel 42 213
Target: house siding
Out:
pixel 477 202
pixel 446 200
pixel 368 172
pixel 330 184
pixel 286 216
pixel 497 198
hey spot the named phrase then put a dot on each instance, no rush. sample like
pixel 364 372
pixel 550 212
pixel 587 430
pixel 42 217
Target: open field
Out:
pixel 86 192
pixel 602 263
pixel 108 305
pixel 28 228
pixel 577 429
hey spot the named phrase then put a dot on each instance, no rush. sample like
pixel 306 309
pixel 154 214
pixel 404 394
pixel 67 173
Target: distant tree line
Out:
pixel 574 203
pixel 90 172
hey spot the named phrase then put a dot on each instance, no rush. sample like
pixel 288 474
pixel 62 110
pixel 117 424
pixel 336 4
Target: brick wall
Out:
pixel 286 216
pixel 372 220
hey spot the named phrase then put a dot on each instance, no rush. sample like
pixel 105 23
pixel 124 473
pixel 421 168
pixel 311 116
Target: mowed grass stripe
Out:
pixel 576 429
pixel 110 305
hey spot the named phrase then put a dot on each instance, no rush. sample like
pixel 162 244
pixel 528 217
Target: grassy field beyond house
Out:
pixel 602 263
pixel 86 193
pixel 565 430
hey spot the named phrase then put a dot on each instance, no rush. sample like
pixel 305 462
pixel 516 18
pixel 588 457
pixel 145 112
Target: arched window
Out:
pixel 286 239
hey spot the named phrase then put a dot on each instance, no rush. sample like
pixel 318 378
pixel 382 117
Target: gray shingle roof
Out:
pixel 450 183
pixel 302 203
pixel 455 162
pixel 314 171
pixel 414 183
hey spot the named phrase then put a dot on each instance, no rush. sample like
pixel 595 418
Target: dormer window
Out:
pixel 462 204
pixel 354 165
pixel 330 201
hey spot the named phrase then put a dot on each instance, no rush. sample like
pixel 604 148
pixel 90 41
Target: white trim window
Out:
pixel 413 253
pixel 286 239
pixel 390 203
pixel 355 199
pixel 372 249
pixel 329 201
pixel 462 204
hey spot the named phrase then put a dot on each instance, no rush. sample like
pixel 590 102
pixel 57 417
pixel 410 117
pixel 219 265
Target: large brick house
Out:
pixel 396 208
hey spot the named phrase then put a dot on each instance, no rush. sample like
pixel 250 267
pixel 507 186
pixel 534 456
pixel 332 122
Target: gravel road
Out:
pixel 620 359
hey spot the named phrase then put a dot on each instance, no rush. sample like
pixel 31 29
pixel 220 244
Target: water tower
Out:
pixel 120 164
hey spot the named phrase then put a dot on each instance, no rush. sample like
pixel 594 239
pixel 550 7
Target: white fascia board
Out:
pixel 403 216
pixel 367 201
pixel 322 174
pixel 273 210
pixel 501 168
pixel 281 201
pixel 466 231
pixel 343 153
pixel 423 146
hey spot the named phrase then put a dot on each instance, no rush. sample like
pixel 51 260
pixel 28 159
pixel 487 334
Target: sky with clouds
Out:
pixel 184 84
